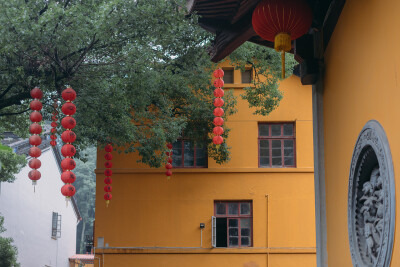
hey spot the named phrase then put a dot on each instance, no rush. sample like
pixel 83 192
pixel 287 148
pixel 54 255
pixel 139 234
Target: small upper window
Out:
pixel 246 76
pixel 276 145
pixel 56 225
pixel 228 75
pixel 185 154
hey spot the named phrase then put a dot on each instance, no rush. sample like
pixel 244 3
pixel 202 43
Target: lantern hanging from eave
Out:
pixel 35 140
pixel 218 111
pixel 54 124
pixel 108 173
pixel 281 21
pixel 168 165
pixel 68 150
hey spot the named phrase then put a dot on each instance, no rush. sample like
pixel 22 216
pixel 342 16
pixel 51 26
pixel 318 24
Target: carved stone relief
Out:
pixel 371 199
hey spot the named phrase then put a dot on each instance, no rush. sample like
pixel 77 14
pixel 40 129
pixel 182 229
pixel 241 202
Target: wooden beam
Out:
pixel 331 18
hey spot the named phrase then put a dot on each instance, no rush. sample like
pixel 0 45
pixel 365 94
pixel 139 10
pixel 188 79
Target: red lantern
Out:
pixel 53 143
pixel 108 148
pixel 53 130
pixel 219 92
pixel 218 102
pixel 34 163
pixel 68 108
pixel 36 105
pixel 108 156
pixel 218 73
pixel 36 93
pixel 107 188
pixel 218 130
pixel 108 164
pixel 218 112
pixel 68 164
pixel 68 190
pixel 54 118
pixel 281 21
pixel 107 196
pixel 168 166
pixel 53 137
pixel 168 153
pixel 68 122
pixel 169 160
pixel 218 121
pixel 35 128
pixel 218 83
pixel 169 146
pixel 68 94
pixel 108 172
pixel 168 173
pixel 108 180
pixel 68 136
pixel 68 177
pixel 34 175
pixel 35 140
pixel 218 140
pixel 54 124
pixel 35 116
pixel 68 150
pixel 35 152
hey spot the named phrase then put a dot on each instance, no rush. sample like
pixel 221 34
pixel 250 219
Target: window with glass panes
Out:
pixel 276 145
pixel 185 154
pixel 234 223
pixel 228 75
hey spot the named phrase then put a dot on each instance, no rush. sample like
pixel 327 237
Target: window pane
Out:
pixel 264 152
pixel 276 129
pixel 246 76
pixel 245 231
pixel 264 143
pixel 233 241
pixel 201 157
pixel 228 75
pixel 276 152
pixel 188 157
pixel 245 223
pixel 288 152
pixel 263 130
pixel 276 161
pixel 233 208
pixel 245 208
pixel 177 154
pixel 233 223
pixel 288 129
pixel 233 232
pixel 289 143
pixel 289 161
pixel 245 241
pixel 264 161
pixel 221 208
pixel 276 144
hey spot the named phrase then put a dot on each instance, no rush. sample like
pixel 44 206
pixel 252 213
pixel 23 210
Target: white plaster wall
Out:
pixel 28 216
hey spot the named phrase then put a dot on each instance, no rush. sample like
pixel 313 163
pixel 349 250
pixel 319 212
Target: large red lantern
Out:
pixel 281 21
pixel 68 136
pixel 108 173
pixel 218 111
pixel 35 129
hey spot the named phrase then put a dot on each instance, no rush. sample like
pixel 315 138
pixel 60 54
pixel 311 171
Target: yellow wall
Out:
pixel 149 211
pixel 362 82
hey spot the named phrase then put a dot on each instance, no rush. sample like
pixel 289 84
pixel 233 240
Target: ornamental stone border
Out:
pixel 371 199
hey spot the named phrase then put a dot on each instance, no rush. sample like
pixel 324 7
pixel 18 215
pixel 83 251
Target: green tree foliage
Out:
pixel 8 252
pixel 10 164
pixel 140 69
pixel 85 196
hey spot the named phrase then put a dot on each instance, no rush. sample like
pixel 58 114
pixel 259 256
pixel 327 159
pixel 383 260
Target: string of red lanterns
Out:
pixel 218 111
pixel 68 137
pixel 54 124
pixel 35 140
pixel 168 165
pixel 108 173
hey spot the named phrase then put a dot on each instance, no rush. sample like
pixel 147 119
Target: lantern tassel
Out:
pixel 107 202
pixel 283 63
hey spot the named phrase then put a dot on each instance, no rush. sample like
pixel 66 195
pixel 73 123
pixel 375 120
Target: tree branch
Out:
pixel 14 113
pixel 7 90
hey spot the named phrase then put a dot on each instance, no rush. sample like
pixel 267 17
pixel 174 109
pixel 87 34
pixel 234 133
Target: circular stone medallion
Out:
pixel 371 199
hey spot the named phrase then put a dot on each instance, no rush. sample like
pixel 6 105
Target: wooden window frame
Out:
pixel 236 216
pixel 182 140
pixel 282 138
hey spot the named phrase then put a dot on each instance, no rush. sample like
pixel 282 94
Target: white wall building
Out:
pixel 29 215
